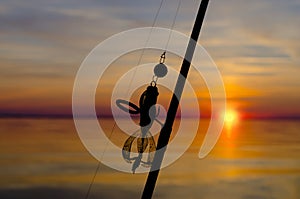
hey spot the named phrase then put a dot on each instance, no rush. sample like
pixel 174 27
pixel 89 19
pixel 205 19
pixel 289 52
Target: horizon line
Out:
pixel 70 116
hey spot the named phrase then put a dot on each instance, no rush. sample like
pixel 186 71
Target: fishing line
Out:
pixel 146 43
pixel 130 83
pixel 173 24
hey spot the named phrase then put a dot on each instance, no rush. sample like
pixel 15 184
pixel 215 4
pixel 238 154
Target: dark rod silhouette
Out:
pixel 165 132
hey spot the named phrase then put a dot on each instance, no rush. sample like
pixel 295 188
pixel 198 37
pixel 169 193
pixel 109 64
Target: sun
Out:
pixel 230 117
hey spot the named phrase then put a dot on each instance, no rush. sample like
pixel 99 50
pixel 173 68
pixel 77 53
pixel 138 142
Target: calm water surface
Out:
pixel 44 158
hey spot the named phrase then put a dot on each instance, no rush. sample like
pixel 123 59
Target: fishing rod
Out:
pixel 166 130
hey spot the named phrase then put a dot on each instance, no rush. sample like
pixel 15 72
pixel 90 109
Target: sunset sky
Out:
pixel 254 43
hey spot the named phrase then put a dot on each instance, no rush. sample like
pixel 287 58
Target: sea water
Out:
pixel 45 158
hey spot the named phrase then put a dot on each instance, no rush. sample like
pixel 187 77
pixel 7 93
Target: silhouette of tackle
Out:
pixel 148 115
pixel 144 138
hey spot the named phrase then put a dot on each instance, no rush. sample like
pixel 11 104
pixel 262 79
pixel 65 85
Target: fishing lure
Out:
pixel 148 115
